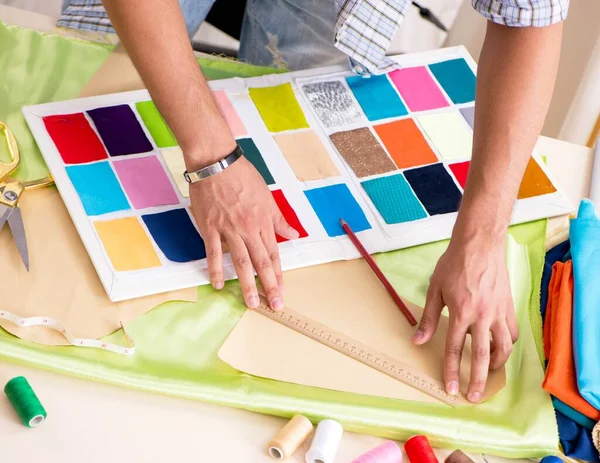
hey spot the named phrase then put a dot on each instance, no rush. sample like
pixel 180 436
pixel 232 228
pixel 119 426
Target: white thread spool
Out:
pixel 290 437
pixel 325 442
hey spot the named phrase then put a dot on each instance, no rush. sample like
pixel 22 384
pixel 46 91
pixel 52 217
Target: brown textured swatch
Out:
pixel 362 152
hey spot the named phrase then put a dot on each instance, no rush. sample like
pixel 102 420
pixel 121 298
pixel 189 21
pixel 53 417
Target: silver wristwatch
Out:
pixel 219 166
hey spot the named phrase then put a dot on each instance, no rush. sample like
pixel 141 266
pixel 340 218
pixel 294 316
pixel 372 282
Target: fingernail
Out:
pixel 474 397
pixel 276 304
pixel 253 302
pixel 418 336
pixel 452 388
pixel 218 285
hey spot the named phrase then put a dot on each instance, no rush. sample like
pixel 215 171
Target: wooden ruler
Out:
pixel 361 352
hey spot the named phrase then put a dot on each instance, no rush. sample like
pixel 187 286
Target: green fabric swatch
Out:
pixel 278 108
pixel 156 125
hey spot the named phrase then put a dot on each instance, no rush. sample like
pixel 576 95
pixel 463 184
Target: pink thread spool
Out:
pixel 419 450
pixel 388 452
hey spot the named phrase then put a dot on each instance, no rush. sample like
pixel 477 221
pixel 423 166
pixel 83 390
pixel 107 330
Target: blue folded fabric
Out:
pixel 572 414
pixel 585 251
pixel 576 440
pixel 557 253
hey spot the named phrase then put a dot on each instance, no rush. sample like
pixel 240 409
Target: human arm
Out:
pixel 516 76
pixel 234 206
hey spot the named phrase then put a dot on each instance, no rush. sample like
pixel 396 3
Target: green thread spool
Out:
pixel 26 403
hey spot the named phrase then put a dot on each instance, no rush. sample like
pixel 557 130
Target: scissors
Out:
pixel 11 191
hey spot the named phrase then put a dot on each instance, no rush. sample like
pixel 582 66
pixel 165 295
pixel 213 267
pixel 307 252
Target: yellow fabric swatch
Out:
pixel 306 155
pixel 127 244
pixel 174 160
pixel 278 108
pixel 449 134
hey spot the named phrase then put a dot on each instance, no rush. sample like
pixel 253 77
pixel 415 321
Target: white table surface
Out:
pixel 91 422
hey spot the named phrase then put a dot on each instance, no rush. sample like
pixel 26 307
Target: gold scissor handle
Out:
pixel 13 151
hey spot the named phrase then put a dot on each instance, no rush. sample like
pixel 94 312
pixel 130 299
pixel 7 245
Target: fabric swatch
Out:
pixel 306 155
pixel 394 199
pixel 556 254
pixel 362 152
pixel 535 181
pixel 576 440
pixel 333 103
pixel 335 202
pixel 278 108
pixel 585 249
pixel 405 143
pixel 461 172
pixel 173 158
pixel 573 414
pixel 456 78
pixel 156 125
pixel 288 214
pixel 175 235
pixel 127 244
pixel 98 188
pixel 469 114
pixel 120 130
pixel 435 188
pixel 377 97
pixel 145 182
pixel 417 87
pixel 74 138
pixel 253 155
pixel 449 134
pixel 231 116
pixel 560 380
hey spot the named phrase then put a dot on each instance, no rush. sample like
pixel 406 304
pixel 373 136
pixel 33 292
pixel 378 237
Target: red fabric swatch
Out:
pixel 289 215
pixel 74 138
pixel 460 171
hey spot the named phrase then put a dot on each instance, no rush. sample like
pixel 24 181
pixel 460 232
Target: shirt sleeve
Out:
pixel 523 13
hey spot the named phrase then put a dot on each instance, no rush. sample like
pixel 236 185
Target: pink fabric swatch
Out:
pixel 419 90
pixel 231 116
pixel 145 182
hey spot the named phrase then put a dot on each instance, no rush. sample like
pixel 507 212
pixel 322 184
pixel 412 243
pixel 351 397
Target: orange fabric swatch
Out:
pixel 560 380
pixel 405 143
pixel 535 181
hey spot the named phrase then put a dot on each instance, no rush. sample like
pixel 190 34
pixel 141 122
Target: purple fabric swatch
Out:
pixel 120 130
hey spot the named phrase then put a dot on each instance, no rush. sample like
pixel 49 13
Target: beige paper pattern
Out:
pixel 347 297
pixel 62 282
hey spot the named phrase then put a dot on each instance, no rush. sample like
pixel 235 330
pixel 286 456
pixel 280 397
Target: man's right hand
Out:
pixel 236 207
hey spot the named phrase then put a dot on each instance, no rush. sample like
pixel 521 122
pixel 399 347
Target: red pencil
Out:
pixel 409 316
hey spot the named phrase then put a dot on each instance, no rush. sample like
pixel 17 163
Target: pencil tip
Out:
pixel 342 221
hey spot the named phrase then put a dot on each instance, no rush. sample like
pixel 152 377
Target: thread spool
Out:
pixel 290 437
pixel 551 459
pixel 325 442
pixel 25 402
pixel 419 450
pixel 388 452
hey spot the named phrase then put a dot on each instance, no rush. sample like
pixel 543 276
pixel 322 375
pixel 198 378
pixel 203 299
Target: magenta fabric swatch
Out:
pixel 419 90
pixel 145 182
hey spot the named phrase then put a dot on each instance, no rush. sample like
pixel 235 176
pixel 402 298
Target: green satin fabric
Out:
pixel 178 342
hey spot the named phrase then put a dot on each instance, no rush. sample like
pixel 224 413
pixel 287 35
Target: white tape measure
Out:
pixel 358 351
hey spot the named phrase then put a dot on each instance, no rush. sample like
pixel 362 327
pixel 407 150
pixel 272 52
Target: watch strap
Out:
pixel 215 168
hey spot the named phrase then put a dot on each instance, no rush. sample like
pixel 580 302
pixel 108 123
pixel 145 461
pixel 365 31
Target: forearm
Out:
pixel 516 76
pixel 156 39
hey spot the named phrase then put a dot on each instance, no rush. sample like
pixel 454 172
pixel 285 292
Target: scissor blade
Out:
pixel 4 213
pixel 15 221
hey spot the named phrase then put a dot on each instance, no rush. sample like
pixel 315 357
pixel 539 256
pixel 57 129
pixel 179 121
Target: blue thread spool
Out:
pixel 551 459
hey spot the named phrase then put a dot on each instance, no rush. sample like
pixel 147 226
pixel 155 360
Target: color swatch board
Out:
pixel 388 154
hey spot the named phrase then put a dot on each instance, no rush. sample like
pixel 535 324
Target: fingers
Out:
pixel 214 257
pixel 458 457
pixel 503 344
pixel 431 317
pixel 282 228
pixel 266 273
pixel 480 361
pixel 511 321
pixel 455 342
pixel 243 267
pixel 270 242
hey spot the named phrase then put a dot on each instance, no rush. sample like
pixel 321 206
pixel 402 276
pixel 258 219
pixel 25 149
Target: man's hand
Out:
pixel 471 279
pixel 237 208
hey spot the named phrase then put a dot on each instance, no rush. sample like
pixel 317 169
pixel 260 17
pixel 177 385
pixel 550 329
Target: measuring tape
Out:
pixel 77 342
pixel 361 352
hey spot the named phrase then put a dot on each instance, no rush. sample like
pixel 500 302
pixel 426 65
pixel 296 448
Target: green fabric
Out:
pixel 178 342
pixel 156 125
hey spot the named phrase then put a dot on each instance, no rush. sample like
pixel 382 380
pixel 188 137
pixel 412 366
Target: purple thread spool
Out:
pixel 388 452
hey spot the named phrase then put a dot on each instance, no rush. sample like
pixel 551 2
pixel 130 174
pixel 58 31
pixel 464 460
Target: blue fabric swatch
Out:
pixel 377 97
pixel 98 188
pixel 253 155
pixel 175 235
pixel 576 440
pixel 456 78
pixel 573 414
pixel 332 203
pixel 394 199
pixel 556 254
pixel 435 188
pixel 585 252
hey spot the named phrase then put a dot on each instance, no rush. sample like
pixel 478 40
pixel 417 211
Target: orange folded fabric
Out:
pixel 560 380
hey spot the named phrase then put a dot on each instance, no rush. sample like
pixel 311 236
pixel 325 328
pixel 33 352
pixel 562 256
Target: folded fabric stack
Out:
pixel 571 313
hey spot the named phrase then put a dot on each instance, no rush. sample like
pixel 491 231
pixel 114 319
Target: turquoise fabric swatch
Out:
pixel 253 155
pixel 98 188
pixel 572 414
pixel 377 97
pixel 332 203
pixel 394 199
pixel 585 251
pixel 456 78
